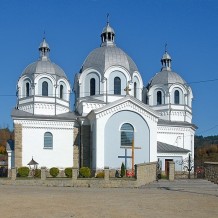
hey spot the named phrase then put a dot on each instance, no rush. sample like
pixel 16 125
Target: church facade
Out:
pixel 116 118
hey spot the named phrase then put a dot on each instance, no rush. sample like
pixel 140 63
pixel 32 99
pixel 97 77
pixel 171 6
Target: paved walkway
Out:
pixel 195 186
pixel 178 199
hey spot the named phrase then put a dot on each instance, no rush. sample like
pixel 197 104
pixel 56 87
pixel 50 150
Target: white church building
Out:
pixel 115 117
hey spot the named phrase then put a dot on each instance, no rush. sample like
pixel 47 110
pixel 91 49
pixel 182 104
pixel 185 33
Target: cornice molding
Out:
pixel 127 106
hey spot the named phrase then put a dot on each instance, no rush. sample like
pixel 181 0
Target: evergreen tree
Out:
pixel 123 170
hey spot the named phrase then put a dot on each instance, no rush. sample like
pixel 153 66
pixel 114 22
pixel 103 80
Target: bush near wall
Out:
pixel 54 171
pixel 84 172
pixel 37 173
pixel 23 171
pixel 100 175
pixel 68 172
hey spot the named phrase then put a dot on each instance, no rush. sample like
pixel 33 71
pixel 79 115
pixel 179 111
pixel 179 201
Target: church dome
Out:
pixel 44 65
pixel 48 82
pixel 108 29
pixel 166 76
pixel 106 56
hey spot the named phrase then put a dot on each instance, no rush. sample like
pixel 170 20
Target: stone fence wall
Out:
pixel 211 171
pixel 144 174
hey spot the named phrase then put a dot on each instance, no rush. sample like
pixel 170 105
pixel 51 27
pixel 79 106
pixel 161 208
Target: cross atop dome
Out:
pixel 107 35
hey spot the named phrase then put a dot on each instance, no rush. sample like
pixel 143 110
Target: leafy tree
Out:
pixel 5 135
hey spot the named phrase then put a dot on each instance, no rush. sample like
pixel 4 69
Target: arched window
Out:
pixel 61 91
pixel 44 88
pixel 48 140
pixel 127 134
pixel 92 86
pixel 159 97
pixel 176 97
pixel 117 86
pixel 135 89
pixel 27 89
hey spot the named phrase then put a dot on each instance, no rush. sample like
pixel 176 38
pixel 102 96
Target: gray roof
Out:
pixel 44 44
pixel 166 56
pixel 32 162
pixel 175 123
pixel 166 77
pixel 166 148
pixel 106 56
pixel 10 145
pixel 44 66
pixel 107 29
pixel 23 114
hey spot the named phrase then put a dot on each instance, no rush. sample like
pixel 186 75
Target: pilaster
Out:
pixel 18 145
pixel 76 136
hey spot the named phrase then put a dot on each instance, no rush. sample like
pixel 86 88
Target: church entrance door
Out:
pixel 167 166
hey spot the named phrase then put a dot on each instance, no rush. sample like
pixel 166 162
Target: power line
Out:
pixel 213 127
pixel 203 81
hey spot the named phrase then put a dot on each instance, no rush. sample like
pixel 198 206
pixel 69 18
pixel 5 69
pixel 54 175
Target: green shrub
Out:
pixel 23 171
pixel 100 175
pixel 123 170
pixel 37 173
pixel 68 172
pixel 84 172
pixel 54 171
pixel 164 176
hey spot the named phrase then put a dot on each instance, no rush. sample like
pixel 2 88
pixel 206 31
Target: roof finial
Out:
pixel 166 47
pixel 107 18
pixel 44 34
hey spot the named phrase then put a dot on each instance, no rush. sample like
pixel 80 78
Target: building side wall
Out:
pixel 60 155
pixel 106 135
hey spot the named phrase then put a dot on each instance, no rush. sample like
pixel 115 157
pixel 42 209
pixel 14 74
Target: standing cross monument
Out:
pixel 133 154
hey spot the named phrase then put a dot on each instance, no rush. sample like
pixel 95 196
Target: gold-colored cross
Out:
pixel 127 89
pixel 133 154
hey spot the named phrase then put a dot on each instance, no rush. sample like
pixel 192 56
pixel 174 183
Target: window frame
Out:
pixel 159 97
pixel 27 86
pixel 44 88
pixel 135 89
pixel 176 97
pixel 92 86
pixel 117 85
pixel 126 128
pixel 48 140
pixel 61 91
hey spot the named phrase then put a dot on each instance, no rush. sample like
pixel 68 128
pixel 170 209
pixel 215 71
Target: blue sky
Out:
pixel 73 27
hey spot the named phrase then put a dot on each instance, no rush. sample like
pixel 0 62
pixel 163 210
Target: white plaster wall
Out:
pixel 177 158
pixel 33 143
pixel 101 120
pixel 178 136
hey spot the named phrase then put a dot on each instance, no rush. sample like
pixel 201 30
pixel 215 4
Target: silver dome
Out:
pixel 44 66
pixel 104 57
pixel 108 29
pixel 166 77
pixel 44 44
pixel 166 56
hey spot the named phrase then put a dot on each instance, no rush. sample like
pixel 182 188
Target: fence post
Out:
pixel 43 173
pixel 74 173
pixel 13 174
pixel 106 173
pixel 171 171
